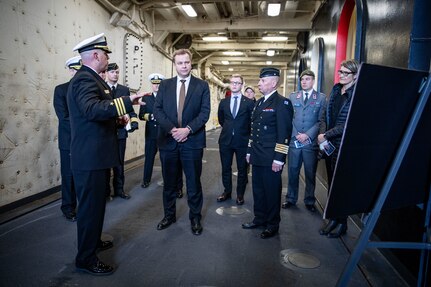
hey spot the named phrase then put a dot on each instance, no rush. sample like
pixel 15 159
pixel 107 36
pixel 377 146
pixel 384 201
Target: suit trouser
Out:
pixel 266 196
pixel 226 157
pixel 118 181
pixel 90 188
pixel 150 154
pixel 297 157
pixel 191 162
pixel 68 194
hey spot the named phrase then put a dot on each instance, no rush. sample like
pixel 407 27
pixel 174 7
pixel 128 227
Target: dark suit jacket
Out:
pixel 271 128
pixel 240 125
pixel 122 91
pixel 60 106
pixel 146 113
pixel 93 117
pixel 195 113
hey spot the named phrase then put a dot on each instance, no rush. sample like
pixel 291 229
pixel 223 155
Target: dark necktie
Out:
pixel 235 106
pixel 181 102
pixel 306 98
pixel 113 91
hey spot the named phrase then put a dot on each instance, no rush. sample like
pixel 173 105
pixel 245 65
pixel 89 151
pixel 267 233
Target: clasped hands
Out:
pixel 180 134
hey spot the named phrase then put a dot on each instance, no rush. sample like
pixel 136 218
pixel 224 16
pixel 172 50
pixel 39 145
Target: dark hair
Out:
pixel 352 65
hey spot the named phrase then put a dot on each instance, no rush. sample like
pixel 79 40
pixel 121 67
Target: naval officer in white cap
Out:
pixel 68 194
pixel 94 114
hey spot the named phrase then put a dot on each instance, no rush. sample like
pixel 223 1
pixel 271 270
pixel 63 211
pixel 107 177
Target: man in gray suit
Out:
pixel 303 149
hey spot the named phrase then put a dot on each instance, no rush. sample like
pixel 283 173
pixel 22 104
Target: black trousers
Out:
pixel 68 194
pixel 150 154
pixel 90 189
pixel 191 162
pixel 118 180
pixel 226 157
pixel 266 196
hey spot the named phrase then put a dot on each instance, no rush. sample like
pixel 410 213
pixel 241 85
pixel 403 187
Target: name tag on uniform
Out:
pixel 268 110
pixel 106 91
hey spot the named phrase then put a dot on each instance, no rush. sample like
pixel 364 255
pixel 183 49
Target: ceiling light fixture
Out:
pixel 214 38
pixel 274 9
pixel 225 62
pixel 230 69
pixel 233 53
pixel 270 53
pixel 189 10
pixel 269 62
pixel 275 38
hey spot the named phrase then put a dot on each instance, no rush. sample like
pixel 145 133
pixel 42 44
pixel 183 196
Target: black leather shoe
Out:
pixel 310 207
pixel 99 269
pixel 166 222
pixel 287 205
pixel 250 225
pixel 145 184
pixel 124 195
pixel 267 233
pixel 240 200
pixel 196 227
pixel 340 230
pixel 328 227
pixel 104 245
pixel 180 193
pixel 223 197
pixel 70 216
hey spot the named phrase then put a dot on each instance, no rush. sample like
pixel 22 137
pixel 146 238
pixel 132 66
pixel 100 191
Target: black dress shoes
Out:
pixel 166 221
pixel 240 200
pixel 104 245
pixel 223 197
pixel 310 207
pixel 145 184
pixel 99 269
pixel 287 205
pixel 250 225
pixel 124 195
pixel 196 226
pixel 267 233
pixel 70 216
pixel 340 230
pixel 180 193
pixel 328 227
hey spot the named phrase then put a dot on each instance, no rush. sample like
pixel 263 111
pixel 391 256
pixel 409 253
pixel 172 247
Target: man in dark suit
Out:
pixel 68 194
pixel 271 128
pixel 182 108
pixel 130 125
pixel 234 115
pixel 94 147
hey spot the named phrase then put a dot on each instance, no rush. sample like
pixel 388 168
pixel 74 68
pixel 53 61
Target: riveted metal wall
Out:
pixel 37 38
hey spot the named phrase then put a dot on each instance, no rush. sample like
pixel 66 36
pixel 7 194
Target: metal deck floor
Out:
pixel 38 248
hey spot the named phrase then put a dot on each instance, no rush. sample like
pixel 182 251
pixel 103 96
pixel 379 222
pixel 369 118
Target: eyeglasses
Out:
pixel 344 73
pixel 236 83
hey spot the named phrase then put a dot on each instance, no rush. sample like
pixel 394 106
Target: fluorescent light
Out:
pixel 274 9
pixel 233 53
pixel 225 62
pixel 230 69
pixel 189 10
pixel 270 53
pixel 214 38
pixel 269 62
pixel 274 38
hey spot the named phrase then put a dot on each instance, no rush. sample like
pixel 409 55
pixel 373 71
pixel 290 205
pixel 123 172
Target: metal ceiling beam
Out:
pixel 242 46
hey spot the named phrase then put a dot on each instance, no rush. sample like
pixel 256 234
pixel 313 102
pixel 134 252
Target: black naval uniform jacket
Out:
pixel 93 120
pixel 60 106
pixel 123 91
pixel 146 114
pixel 271 128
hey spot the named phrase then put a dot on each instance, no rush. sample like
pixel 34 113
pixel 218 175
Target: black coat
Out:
pixel 60 106
pixel 146 113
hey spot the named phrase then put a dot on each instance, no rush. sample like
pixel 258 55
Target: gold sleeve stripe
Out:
pixel 119 104
pixel 281 148
pixel 147 117
pixel 134 119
